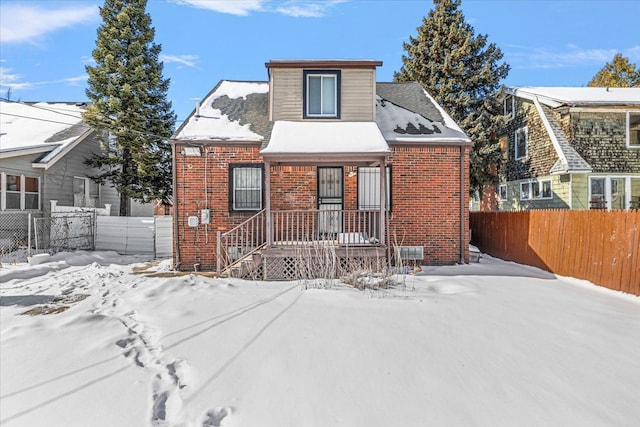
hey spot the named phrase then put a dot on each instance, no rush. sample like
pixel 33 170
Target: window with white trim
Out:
pixel 614 192
pixel 633 130
pixel 521 142
pixel 502 192
pixel 321 93
pixel 509 107
pixel 369 188
pixel 536 190
pixel 19 192
pixel 86 192
pixel 245 187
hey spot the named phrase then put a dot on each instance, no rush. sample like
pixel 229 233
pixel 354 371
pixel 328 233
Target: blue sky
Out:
pixel 45 44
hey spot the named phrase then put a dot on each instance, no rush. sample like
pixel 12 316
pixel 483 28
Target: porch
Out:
pixel 291 244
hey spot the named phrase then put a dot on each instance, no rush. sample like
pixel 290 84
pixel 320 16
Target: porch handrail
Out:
pixel 246 238
pixel 344 227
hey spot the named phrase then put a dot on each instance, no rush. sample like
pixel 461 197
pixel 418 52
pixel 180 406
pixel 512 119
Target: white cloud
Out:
pixel 186 60
pixel 233 7
pixel 14 81
pixel 23 23
pixel 306 9
pixel 295 8
pixel 524 57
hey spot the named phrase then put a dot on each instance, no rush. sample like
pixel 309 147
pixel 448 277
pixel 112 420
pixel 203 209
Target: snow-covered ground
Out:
pixel 488 344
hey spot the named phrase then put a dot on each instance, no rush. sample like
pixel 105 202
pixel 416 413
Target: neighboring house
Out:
pixel 569 148
pixel 265 170
pixel 42 151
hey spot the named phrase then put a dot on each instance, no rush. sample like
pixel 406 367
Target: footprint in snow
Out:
pixel 216 417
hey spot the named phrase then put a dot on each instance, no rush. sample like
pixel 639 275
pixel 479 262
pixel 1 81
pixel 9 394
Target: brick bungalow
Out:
pixel 263 170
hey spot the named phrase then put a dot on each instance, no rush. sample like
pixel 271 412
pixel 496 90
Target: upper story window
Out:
pixel 509 107
pixel 633 130
pixel 321 93
pixel 20 192
pixel 522 139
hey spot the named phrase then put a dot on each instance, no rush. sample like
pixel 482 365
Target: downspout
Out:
pixel 175 208
pixel 462 204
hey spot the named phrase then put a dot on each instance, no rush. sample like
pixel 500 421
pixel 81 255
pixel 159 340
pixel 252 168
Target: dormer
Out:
pixel 322 90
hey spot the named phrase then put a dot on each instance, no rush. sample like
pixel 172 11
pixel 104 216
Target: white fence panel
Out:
pixel 164 236
pixel 126 235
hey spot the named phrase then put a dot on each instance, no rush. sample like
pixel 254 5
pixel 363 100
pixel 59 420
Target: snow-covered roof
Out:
pixel 399 124
pixel 219 121
pixel 238 111
pixel 39 127
pixel 578 96
pixel 325 137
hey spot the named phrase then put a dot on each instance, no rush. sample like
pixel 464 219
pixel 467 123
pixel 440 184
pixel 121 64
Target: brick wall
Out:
pixel 425 199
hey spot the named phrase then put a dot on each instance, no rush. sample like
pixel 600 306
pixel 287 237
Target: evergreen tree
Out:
pixel 617 73
pixel 129 105
pixel 462 72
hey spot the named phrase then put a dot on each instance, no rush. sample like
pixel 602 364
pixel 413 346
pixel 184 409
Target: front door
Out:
pixel 330 199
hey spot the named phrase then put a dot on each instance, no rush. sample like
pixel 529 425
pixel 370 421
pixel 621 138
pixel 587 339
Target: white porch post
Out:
pixel 267 202
pixel 383 201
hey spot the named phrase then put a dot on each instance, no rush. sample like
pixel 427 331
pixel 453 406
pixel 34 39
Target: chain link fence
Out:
pixel 65 232
pixel 23 234
pixel 16 235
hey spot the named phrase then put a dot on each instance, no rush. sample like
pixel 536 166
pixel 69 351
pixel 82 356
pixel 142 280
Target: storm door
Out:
pixel 331 200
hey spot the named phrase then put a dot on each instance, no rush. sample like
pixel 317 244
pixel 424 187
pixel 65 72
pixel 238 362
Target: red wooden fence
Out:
pixel 596 245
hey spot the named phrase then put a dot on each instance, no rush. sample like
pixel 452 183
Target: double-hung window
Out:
pixel 508 107
pixel 20 192
pixel 502 192
pixel 369 188
pixel 633 130
pixel 245 187
pixel 522 139
pixel 86 193
pixel 321 93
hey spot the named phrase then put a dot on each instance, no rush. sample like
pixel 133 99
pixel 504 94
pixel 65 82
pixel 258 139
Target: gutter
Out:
pixel 176 240
pixel 462 205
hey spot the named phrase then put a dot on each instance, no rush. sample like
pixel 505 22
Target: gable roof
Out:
pixel 568 158
pixel 233 111
pixel 578 96
pixel 40 127
pixel 238 111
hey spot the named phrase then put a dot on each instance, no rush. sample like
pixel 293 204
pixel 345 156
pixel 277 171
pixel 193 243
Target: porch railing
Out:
pixel 340 227
pixel 241 241
pixel 297 228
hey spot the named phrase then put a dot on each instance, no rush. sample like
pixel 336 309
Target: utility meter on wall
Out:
pixel 205 216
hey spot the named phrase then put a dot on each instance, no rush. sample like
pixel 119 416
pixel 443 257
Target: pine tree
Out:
pixel 129 106
pixel 462 72
pixel 617 73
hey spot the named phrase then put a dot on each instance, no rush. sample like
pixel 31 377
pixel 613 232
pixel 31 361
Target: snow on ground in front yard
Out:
pixel 488 344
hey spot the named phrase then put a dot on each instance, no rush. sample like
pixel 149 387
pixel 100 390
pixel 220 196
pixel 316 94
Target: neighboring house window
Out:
pixel 21 192
pixel 369 188
pixel 245 187
pixel 633 130
pixel 522 137
pixel 508 107
pixel 535 190
pixel 86 193
pixel 321 94
pixel 502 192
pixel 618 192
